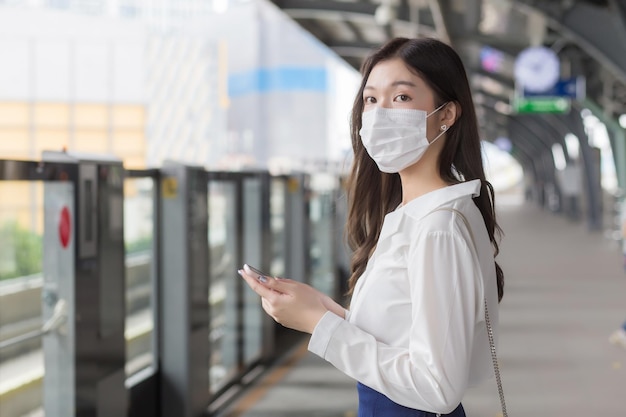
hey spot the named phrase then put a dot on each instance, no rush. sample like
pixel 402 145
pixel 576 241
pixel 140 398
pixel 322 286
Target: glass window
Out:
pixel 139 225
pixel 322 233
pixel 22 364
pixel 223 282
pixel 253 255
pixel 277 227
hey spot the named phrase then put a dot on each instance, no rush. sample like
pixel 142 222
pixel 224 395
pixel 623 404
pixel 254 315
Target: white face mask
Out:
pixel 396 138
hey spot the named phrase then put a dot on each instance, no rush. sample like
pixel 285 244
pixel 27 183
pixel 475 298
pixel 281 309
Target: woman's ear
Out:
pixel 451 113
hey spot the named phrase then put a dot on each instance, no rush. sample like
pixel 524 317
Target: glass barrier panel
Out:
pixel 342 252
pixel 253 255
pixel 322 238
pixel 22 365
pixel 223 282
pixel 278 190
pixel 139 224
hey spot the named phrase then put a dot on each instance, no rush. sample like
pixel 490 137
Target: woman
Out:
pixel 415 336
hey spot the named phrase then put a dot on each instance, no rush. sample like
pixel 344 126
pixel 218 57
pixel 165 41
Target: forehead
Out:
pixel 390 72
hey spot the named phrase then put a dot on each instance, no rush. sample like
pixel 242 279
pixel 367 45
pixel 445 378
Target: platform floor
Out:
pixel 565 293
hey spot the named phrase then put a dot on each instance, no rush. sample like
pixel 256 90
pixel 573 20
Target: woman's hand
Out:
pixel 291 303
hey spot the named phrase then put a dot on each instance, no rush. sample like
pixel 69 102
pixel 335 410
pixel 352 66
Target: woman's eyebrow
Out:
pixel 409 83
pixel 393 84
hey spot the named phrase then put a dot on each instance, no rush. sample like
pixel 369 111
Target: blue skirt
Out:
pixel 374 404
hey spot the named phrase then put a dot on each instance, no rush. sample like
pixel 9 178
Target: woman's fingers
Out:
pixel 280 285
pixel 290 303
pixel 283 286
pixel 256 284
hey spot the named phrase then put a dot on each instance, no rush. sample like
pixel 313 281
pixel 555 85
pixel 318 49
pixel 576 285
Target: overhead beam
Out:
pixel 355 29
pixel 505 81
pixel 544 166
pixel 472 15
pixel 440 22
pixel 490 100
pixel 339 10
pixel 520 143
pixel 539 146
pixel 536 125
pixel 507 44
pixel 491 89
pixel 356 45
pixel 618 10
pixel 357 7
pixel 358 49
pixel 316 29
pixel 520 154
pixel 522 157
pixel 518 134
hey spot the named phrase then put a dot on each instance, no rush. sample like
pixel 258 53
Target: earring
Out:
pixel 444 127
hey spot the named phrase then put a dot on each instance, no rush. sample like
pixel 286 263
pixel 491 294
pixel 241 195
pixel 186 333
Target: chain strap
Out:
pixel 492 346
pixel 494 358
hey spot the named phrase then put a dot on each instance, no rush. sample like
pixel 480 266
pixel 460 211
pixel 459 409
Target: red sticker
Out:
pixel 65 227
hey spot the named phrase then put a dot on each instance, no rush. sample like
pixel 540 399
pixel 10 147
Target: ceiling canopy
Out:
pixel 588 36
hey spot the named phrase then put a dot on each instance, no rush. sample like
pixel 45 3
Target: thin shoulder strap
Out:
pixel 492 345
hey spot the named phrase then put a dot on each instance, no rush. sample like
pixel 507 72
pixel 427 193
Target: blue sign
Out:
pixel 574 88
pixel 280 79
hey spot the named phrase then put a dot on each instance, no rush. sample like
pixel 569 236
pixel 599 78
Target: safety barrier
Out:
pixel 21 334
pixel 285 224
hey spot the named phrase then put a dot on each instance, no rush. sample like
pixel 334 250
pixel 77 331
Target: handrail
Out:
pixel 17 284
pixel 58 318
pixel 13 170
pixel 143 173
pixel 20 170
pixel 18 340
pixel 36 280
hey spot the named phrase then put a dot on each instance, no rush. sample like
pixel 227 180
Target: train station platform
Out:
pixel 564 295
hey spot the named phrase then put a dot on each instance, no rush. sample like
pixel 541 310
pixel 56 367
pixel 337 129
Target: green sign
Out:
pixel 542 105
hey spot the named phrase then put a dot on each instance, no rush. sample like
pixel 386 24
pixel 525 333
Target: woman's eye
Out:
pixel 402 97
pixel 370 100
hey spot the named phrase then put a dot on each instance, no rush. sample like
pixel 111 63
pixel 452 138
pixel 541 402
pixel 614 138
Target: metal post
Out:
pixel 297 228
pixel 58 306
pixel 184 284
pixel 88 376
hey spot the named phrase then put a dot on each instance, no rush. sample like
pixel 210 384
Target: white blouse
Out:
pixel 416 329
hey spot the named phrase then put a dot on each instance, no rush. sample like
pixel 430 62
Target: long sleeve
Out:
pixel 431 373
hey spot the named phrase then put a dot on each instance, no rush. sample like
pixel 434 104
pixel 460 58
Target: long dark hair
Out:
pixel 372 194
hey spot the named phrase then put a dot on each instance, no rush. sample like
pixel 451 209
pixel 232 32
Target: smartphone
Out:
pixel 262 276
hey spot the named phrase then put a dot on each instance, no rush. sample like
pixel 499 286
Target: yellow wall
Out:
pixel 27 129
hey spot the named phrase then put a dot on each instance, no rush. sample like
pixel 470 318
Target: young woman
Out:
pixel 422 226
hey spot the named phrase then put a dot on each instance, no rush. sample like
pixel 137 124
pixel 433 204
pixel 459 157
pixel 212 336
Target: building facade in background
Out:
pixel 213 83
pixel 222 84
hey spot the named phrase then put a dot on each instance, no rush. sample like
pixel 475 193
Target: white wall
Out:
pixel 49 55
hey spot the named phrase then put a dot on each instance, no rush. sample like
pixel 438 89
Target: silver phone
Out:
pixel 262 276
